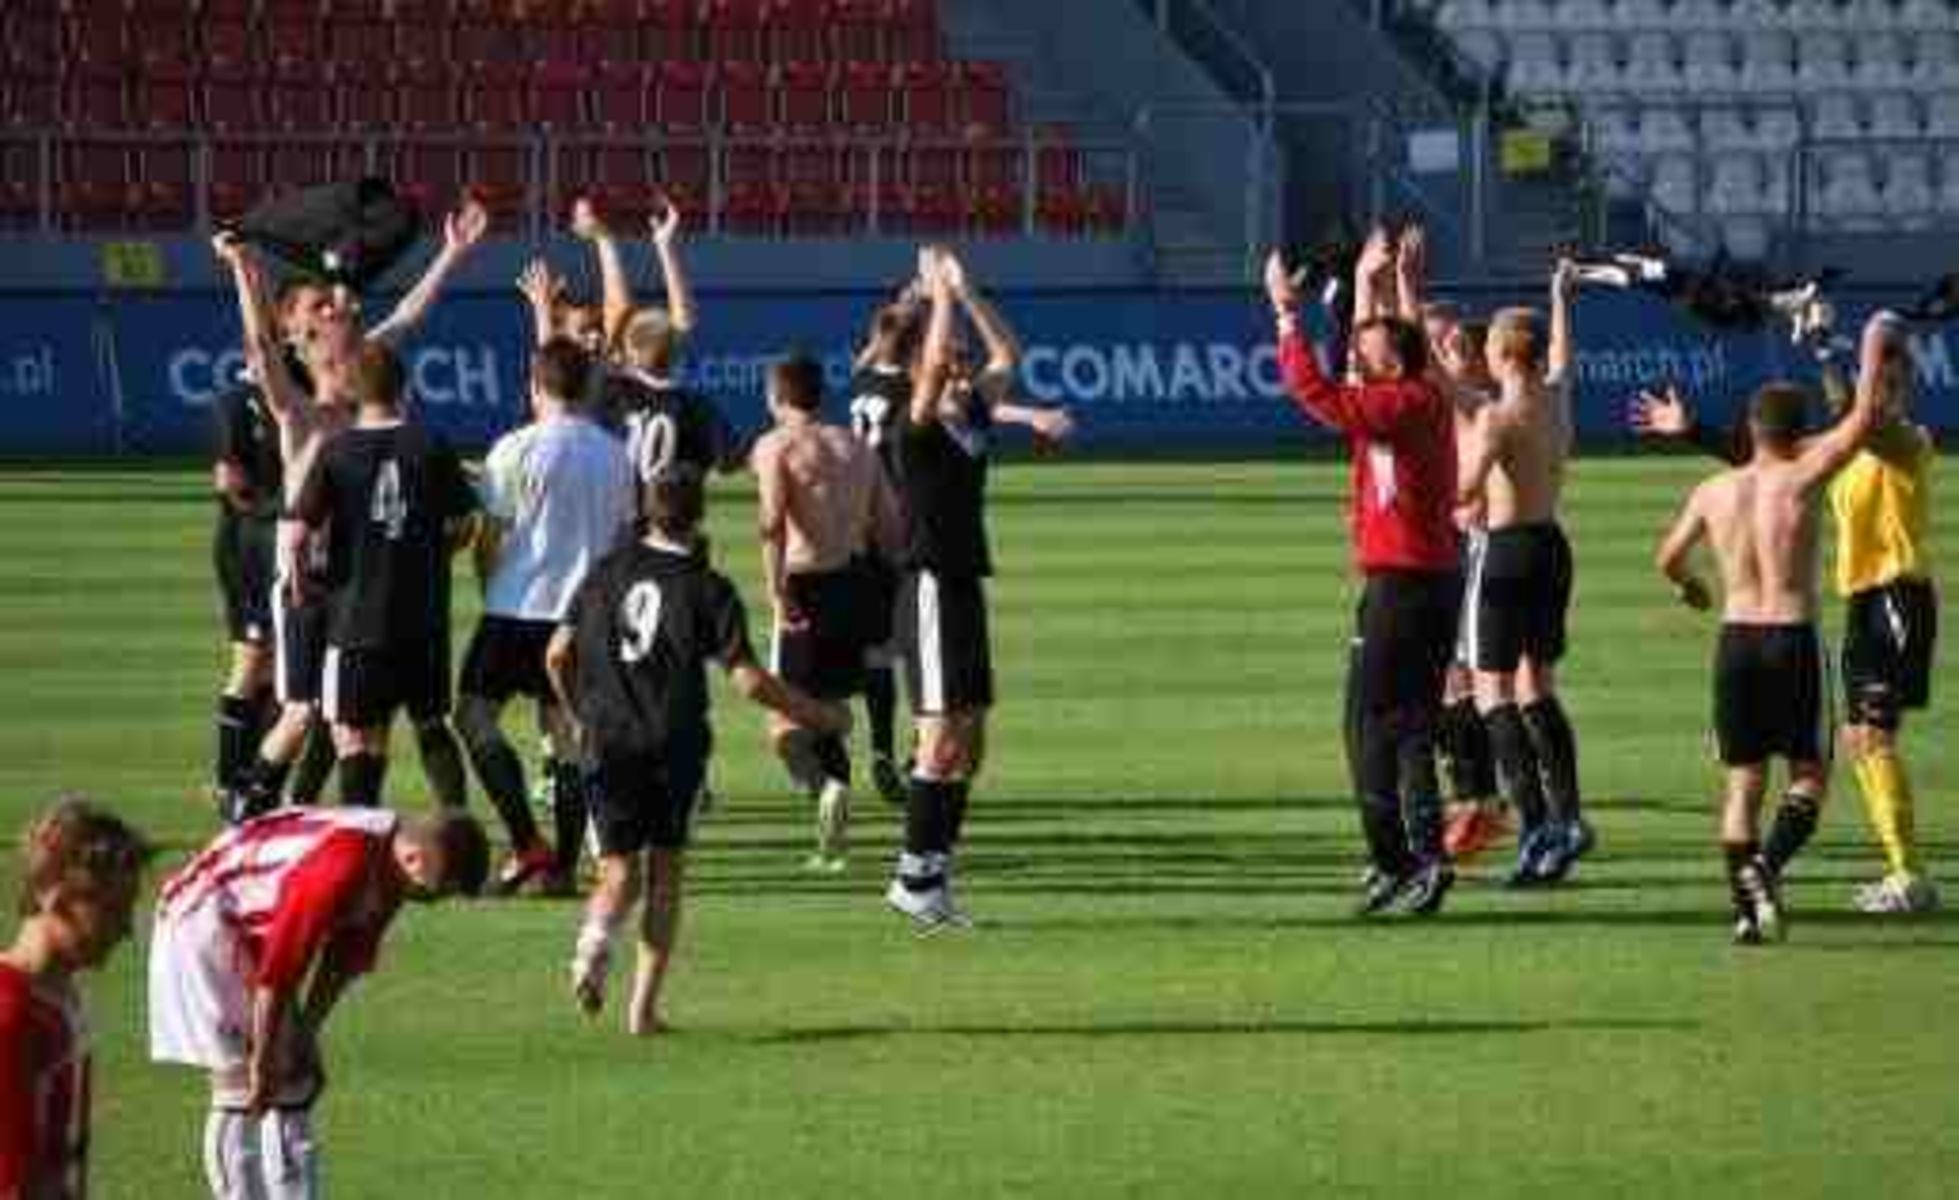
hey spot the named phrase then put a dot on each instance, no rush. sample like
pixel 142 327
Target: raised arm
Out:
pixel 1371 275
pixel 1688 529
pixel 1559 356
pixel 680 287
pixel 1826 454
pixel 539 289
pixel 265 352
pixel 1320 398
pixel 1411 274
pixel 1002 347
pixel 461 232
pixel 615 291
pixel 935 356
pixel 1668 415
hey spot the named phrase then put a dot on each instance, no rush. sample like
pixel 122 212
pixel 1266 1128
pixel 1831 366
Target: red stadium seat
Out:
pixel 547 32
pixel 745 161
pixel 984 103
pixel 821 162
pixel 499 178
pixel 805 88
pixel 307 163
pixel 1060 211
pixel 237 178
pixel 734 30
pixel 994 163
pixel 626 207
pixel 165 175
pixel 798 30
pixel 1056 161
pixel 752 209
pixel 997 210
pixel 226 36
pixel 429 173
pixel 32 35
pixel 558 91
pixel 857 30
pixel 93 185
pixel 608 32
pixel 481 32
pixel 355 36
pixel 745 97
pixel 160 33
pixel 817 210
pixel 926 92
pixel 939 163
pixel 495 96
pixel 865 101
pixel 20 186
pixel 96 96
pixel 687 165
pixel 365 90
pixel 294 35
pixel 421 29
pixel 911 30
pixel 1106 210
pixel 300 97
pixel 619 96
pixel 94 37
pixel 165 94
pixel 425 95
pixel 669 32
pixel 681 97
pixel 934 210
pixel 31 95
pixel 232 95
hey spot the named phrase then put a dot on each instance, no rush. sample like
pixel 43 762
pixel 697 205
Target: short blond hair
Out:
pixel 1518 336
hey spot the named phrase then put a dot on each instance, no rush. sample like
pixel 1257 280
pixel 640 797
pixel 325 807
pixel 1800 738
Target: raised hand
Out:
pixel 1414 249
pixel 1663 414
pixel 954 272
pixel 1376 254
pixel 1563 276
pixel 466 226
pixel 228 246
pixel 1281 285
pixel 585 222
pixel 537 284
pixel 666 223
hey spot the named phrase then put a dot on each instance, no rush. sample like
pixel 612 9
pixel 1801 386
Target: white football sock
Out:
pixel 289 1156
pixel 231 1157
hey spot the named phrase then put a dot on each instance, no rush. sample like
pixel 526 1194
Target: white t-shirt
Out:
pixel 563 490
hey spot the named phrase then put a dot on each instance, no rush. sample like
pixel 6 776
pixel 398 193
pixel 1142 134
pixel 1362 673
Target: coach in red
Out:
pixel 1401 431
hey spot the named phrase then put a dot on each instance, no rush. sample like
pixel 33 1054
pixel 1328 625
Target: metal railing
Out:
pixel 1174 16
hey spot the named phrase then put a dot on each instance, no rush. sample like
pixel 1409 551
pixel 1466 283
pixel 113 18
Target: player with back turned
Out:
pixel 1401 432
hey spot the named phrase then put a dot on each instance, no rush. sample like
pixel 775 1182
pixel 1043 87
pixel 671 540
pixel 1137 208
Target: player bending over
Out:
pixel 559 496
pixel 824 506
pixel 80 871
pixel 1519 447
pixel 629 666
pixel 1760 519
pixel 256 941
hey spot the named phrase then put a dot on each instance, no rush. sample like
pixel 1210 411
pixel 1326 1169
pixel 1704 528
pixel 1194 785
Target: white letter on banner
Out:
pixel 425 385
pixel 1138 375
pixel 1265 373
pixel 1037 369
pixel 1934 359
pixel 181 363
pixel 1227 372
pixel 1188 374
pixel 1093 384
pixel 477 384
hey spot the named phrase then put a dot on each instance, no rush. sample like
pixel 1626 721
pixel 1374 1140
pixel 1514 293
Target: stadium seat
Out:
pixel 1735 185
pixel 933 210
pixel 669 32
pixel 1768 62
pixel 160 34
pixel 1895 116
pixel 1534 68
pixel 357 36
pixel 813 161
pixel 1926 15
pixel 814 209
pixel 925 96
pixel 798 30
pixel 32 35
pixel 735 30
pixel 1594 64
pixel 1942 115
pixel 1512 15
pixel 165 98
pixel 1642 15
pixel 425 96
pixel 751 209
pixel 558 92
pixel 1848 198
pixel 365 92
pixel 232 96
pixel 1676 185
pixel 1935 64
pixel 480 33
pixel 1577 16
pixel 939 163
pixel 1823 60
pixel 93 185
pixel 1836 116
pixel 607 31
pixel 1106 209
pixel 95 96
pixel 805 92
pixel 864 102
pixel 1948 197
pixel 1056 159
pixel 686 166
pixel 1909 197
pixel 1709 63
pixel 31 96
pixel 499 176
pixel 299 97
pixel 744 161
pixel 984 103
pixel 1755 14
pixel 1665 130
pixel 619 96
pixel 1747 238
pixel 1816 14
pixel 1873 16
pixel 549 32
pixel 1458 16
pixel 1697 15
pixel 1778 128
pixel 421 29
pixel 745 97
pixel 992 163
pixel 1724 129
pixel 1881 62
pixel 1061 211
pixel 293 35
pixel 1481 49
pixel 997 210
pixel 911 31
pixel 94 37
pixel 857 30
pixel 680 96
pixel 1650 64
pixel 237 177
pixel 495 96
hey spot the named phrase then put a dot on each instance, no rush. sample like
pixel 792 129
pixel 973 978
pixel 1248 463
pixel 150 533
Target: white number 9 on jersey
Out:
pixel 652 442
pixel 387 507
pixel 640 614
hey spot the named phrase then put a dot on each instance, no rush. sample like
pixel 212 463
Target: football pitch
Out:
pixel 1166 997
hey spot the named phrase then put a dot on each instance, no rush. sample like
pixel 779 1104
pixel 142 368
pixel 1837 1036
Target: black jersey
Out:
pixel 248 437
pixel 387 495
pixel 645 622
pixel 664 425
pixel 880 398
pixel 942 480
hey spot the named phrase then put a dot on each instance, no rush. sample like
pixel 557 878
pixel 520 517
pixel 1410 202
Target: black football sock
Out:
pixel 1795 822
pixel 568 811
pixel 926 817
pixel 237 738
pixel 1421 792
pixel 1465 745
pixel 257 790
pixel 802 756
pixel 361 776
pixel 1739 855
pixel 1516 765
pixel 442 762
pixel 833 755
pixel 958 791
pixel 881 710
pixel 1557 755
pixel 310 773
pixel 501 773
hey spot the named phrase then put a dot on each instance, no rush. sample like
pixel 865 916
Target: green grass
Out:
pixel 1167 998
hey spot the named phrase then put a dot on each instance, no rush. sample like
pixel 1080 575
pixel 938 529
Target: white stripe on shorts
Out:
pixel 330 686
pixel 931 654
pixel 281 666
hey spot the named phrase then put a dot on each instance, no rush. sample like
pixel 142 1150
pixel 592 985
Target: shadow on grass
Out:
pixel 1248 1028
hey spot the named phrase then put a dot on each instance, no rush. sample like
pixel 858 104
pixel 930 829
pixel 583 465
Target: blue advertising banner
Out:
pixel 133 373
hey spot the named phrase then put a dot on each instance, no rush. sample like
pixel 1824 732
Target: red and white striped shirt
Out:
pixel 44 1091
pixel 292 885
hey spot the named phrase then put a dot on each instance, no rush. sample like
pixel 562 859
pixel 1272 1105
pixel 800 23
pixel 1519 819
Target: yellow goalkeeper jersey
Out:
pixel 1882 504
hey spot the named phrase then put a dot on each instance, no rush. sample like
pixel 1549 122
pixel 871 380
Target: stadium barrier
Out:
pixel 105 373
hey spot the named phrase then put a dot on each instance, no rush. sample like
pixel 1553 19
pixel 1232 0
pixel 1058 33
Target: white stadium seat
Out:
pixel 1593 64
pixel 1942 116
pixel 1736 185
pixel 1642 14
pixel 1848 198
pixel 1816 14
pixel 1453 16
pixel 1909 198
pixel 1650 64
pixel 1481 47
pixel 1928 14
pixel 1755 14
pixel 1699 14
pixel 1577 15
pixel 1676 184
pixel 1534 67
pixel 1823 60
pixel 1709 62
pixel 1665 131
pixel 1935 60
pixel 1872 16
pixel 1895 116
pixel 1777 128
pixel 1725 129
pixel 1948 202
pixel 1768 59
pixel 1747 238
pixel 1835 116
pixel 1521 14
pixel 1880 62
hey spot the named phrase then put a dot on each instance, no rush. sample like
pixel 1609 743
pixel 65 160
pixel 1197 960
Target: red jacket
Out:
pixel 1403 437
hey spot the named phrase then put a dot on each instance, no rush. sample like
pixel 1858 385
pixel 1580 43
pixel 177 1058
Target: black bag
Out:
pixel 344 233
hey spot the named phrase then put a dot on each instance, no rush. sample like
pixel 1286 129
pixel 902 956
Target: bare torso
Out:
pixel 1762 526
pixel 1532 432
pixel 829 489
pixel 1469 400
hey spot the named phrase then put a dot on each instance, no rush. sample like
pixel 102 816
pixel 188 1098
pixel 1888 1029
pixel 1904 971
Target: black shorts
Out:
pixel 1769 695
pixel 506 658
pixel 942 635
pixel 1522 593
pixel 363 686
pixel 642 800
pixel 299 642
pixel 1888 637
pixel 880 583
pixel 824 654
pixel 1406 634
pixel 244 551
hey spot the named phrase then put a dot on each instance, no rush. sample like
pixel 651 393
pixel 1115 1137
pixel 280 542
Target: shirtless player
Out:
pixel 824 505
pixel 1760 518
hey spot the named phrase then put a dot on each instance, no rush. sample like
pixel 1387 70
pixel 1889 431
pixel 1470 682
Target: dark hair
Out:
pixel 79 843
pixel 798 382
pixel 378 375
pixel 290 288
pixel 676 500
pixel 561 369
pixel 1779 413
pixel 464 851
pixel 1409 342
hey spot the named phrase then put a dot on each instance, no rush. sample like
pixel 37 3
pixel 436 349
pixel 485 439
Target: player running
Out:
pixel 558 493
pixel 1401 430
pixel 1516 472
pixel 880 397
pixel 943 452
pixel 256 940
pixel 390 499
pixel 1760 519
pixel 80 874
pixel 824 506
pixel 629 667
